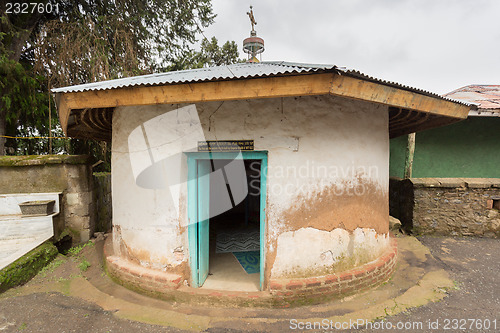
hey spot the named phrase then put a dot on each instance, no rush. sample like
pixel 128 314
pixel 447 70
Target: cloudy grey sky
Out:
pixel 437 45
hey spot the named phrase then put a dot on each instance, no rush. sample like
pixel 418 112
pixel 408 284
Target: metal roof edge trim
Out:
pixel 226 72
pixel 283 68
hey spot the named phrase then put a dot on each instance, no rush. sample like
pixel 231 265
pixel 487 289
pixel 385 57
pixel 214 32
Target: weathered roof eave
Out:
pixel 283 85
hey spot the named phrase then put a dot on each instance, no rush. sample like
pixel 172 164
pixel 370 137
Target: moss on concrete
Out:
pixel 66 232
pixel 27 160
pixel 42 174
pixel 26 267
pixel 73 233
pixel 101 174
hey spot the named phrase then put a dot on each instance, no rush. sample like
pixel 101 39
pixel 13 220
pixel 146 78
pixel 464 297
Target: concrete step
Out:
pixel 20 235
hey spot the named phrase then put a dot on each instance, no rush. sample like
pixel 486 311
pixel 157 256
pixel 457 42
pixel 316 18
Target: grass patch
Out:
pixel 51 267
pixel 456 285
pixel 75 250
pixel 84 265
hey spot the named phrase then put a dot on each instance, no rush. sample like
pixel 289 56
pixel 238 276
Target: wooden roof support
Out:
pixel 347 86
pixel 270 87
pixel 63 110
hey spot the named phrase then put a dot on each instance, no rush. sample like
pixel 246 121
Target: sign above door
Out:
pixel 225 145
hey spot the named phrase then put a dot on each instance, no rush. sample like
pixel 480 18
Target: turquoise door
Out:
pixel 203 219
pixel 199 169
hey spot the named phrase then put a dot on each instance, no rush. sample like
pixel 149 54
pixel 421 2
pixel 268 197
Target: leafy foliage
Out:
pixel 24 100
pixel 99 40
pixel 87 41
pixel 211 54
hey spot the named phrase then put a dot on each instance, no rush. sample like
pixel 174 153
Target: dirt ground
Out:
pixel 474 305
pixel 45 304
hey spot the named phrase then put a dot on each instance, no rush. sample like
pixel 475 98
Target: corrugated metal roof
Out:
pixel 228 72
pixel 236 71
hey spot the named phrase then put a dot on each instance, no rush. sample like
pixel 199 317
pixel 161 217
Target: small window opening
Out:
pixel 496 203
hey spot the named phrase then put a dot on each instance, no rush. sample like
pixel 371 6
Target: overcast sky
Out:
pixel 436 45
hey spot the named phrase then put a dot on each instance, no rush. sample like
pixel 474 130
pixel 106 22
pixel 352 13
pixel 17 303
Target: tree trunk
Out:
pixel 2 130
pixel 410 152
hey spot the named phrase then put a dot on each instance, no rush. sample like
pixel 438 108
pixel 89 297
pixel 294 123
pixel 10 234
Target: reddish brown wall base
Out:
pixel 141 277
pixel 283 293
pixel 311 290
pixel 137 277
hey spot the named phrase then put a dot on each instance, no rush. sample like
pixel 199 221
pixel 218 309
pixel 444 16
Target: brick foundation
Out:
pixel 316 289
pixel 141 277
pixel 282 292
pixel 136 276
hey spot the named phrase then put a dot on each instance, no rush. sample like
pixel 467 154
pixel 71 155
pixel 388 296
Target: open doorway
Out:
pixel 234 236
pixel 227 240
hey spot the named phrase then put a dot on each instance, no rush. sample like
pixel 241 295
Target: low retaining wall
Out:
pixel 68 174
pixel 448 206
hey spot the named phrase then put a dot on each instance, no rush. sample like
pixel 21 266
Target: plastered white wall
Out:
pixel 310 251
pixel 303 134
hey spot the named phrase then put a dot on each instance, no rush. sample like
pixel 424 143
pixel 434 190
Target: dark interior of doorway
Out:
pixel 243 222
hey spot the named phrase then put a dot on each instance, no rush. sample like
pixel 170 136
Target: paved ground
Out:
pixel 474 306
pixel 45 304
pixel 55 312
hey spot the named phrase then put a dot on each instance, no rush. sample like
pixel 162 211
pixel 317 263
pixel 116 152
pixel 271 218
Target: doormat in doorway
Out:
pixel 237 241
pixel 250 261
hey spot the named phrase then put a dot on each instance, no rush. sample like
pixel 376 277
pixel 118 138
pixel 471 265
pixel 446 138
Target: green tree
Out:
pixel 85 41
pixel 22 92
pixel 210 54
pixel 99 40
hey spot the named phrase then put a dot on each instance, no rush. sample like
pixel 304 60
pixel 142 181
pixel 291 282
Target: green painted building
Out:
pixel 469 149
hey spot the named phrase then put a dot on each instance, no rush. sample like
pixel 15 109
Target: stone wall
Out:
pixel 448 206
pixel 70 175
pixel 102 199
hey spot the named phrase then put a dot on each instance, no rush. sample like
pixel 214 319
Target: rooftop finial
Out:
pixel 253 45
pixel 252 18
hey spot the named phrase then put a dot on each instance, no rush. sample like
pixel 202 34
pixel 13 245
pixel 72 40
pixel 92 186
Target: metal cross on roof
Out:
pixel 252 18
